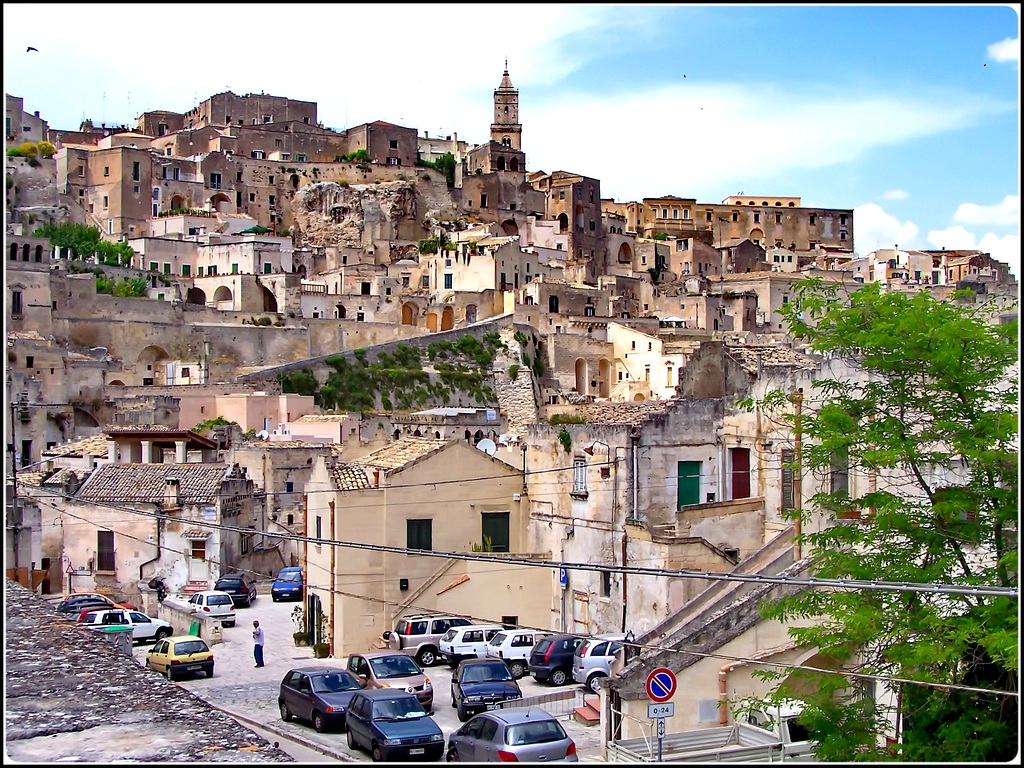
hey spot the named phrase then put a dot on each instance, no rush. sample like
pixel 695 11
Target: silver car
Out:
pixel 593 659
pixel 527 735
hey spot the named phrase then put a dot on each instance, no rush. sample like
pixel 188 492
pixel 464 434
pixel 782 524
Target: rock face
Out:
pixel 516 397
pixel 327 213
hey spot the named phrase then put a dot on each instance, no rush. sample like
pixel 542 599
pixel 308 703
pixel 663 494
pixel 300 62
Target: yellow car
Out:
pixel 180 655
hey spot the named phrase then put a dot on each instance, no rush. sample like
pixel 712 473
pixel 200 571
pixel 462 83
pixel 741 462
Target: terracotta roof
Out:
pixel 633 412
pixel 141 428
pixel 197 483
pixel 30 478
pixel 67 474
pixel 771 357
pixel 93 446
pixel 348 477
pixel 285 444
pixel 401 452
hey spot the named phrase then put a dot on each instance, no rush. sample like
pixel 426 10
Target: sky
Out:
pixel 909 115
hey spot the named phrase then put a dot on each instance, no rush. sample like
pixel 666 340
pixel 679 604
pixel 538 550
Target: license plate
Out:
pixel 492 706
pixel 193 667
pixel 417 751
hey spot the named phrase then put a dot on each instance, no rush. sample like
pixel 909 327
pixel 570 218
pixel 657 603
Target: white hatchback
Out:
pixel 470 642
pixel 513 646
pixel 214 604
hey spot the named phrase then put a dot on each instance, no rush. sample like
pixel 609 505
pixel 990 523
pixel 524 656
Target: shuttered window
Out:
pixel 788 457
pixel 105 551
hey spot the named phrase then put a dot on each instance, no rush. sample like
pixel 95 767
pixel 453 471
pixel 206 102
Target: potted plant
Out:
pixel 321 649
pixel 300 636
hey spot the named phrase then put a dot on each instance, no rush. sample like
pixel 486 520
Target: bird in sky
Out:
pixel 30 48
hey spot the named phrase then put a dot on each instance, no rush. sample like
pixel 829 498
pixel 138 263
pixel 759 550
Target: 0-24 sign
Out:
pixel 659 710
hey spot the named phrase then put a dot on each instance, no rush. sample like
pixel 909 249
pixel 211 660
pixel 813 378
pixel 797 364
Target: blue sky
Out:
pixel 910 115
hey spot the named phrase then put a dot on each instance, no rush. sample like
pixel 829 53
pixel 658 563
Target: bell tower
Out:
pixel 506 129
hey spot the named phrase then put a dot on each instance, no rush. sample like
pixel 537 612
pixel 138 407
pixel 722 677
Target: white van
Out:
pixel 470 642
pixel 513 646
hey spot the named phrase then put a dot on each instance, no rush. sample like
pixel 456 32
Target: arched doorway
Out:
pixel 513 164
pixel 340 311
pixel 509 228
pixel 84 419
pixel 756 236
pixel 223 297
pixel 177 203
pixel 269 300
pixel 639 396
pixel 470 313
pixel 478 436
pixel 625 254
pixel 604 369
pixel 447 319
pixel 14 251
pixel 408 313
pixel 581 376
pixel 220 203
pixel 563 223
pixel 149 364
pixel 196 296
pixel 432 322
pixel 501 163
pixel 115 383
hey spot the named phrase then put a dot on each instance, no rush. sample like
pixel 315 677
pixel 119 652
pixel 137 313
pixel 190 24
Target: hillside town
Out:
pixel 432 380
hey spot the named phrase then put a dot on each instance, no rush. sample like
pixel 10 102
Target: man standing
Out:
pixel 257 640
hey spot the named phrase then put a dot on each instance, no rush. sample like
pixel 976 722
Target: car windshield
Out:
pixel 189 647
pixel 498 639
pixel 538 732
pixel 293 576
pixel 394 666
pixel 485 673
pixel 334 682
pixel 229 583
pixel 405 708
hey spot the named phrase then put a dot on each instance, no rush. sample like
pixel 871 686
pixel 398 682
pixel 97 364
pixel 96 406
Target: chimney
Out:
pixel 171 499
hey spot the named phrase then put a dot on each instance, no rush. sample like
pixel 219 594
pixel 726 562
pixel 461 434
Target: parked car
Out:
pixel 468 642
pixel 513 647
pixel 392 724
pixel 318 694
pixel 387 669
pixel 512 735
pixel 215 604
pixel 287 585
pixel 75 602
pixel 479 684
pixel 551 659
pixel 143 627
pixel 180 655
pixel 419 636
pixel 593 660
pixel 240 586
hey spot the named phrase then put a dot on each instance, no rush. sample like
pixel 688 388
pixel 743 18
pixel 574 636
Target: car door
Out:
pixel 486 750
pixel 292 695
pixel 359 667
pixel 357 720
pixel 304 697
pixel 471 642
pixel 143 627
pixel 466 737
pixel 158 656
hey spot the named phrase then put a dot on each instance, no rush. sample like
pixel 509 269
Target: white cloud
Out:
pixel 895 194
pixel 1006 213
pixel 1005 50
pixel 1005 248
pixel 874 229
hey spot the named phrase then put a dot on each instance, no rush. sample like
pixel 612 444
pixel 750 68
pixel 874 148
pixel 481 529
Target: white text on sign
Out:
pixel 666 709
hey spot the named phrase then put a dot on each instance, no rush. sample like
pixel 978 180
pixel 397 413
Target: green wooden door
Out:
pixel 689 483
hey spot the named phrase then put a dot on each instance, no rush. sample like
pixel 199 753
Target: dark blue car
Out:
pixel 318 694
pixel 479 684
pixel 390 724
pixel 287 585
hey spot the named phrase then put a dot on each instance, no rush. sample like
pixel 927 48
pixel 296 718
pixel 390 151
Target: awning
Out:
pixel 195 533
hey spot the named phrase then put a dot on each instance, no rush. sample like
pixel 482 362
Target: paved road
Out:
pixel 250 694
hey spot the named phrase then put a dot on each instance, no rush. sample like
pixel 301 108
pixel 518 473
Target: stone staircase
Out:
pixel 195 586
pixel 590 713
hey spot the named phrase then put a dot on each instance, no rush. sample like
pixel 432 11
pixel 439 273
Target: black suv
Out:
pixel 479 684
pixel 551 659
pixel 241 587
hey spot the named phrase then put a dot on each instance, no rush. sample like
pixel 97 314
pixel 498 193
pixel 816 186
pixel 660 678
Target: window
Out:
pixel 788 457
pixel 300 158
pixel 778 218
pixel 319 527
pixel 136 171
pixel 105 551
pixel 199 272
pixel 842 234
pixel 688 480
pixel 811 219
pixel 106 170
pixel 252 197
pixel 167 268
pixel 105 201
pixel 735 216
pixel 289 486
pixel 483 200
pixel 234 269
pixel 392 161
pixel 258 154
pixel 840 471
pixel 267 268
pixel 30 361
pixel 271 199
pixel 842 219
pixel 418 534
pixel 740 462
pixel 757 217
pixel 447 281
pixel 153 266
pixel 215 180
pixel 494 527
pixel 606 584
pixel 675 213
pixel 426 281
pixel 186 270
pixel 579 477
pixel 405 281
pixel 686 213
pixel 393 144
pixel 16 307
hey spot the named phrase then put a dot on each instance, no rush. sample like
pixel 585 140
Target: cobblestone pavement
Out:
pixel 250 694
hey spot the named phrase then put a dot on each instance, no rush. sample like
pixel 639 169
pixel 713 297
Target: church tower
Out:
pixel 506 129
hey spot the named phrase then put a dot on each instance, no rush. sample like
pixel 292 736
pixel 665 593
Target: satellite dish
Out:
pixel 263 434
pixel 487 446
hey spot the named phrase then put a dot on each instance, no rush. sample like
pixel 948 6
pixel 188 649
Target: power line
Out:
pixel 685 573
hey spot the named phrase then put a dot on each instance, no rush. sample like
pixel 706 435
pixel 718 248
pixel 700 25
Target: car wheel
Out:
pixel 170 674
pixel 452 756
pixel 594 683
pixel 161 634
pixel 463 714
pixel 517 668
pixel 285 714
pixel 351 741
pixel 274 598
pixel 210 673
pixel 319 722
pixel 558 677
pixel 427 657
pixel 377 753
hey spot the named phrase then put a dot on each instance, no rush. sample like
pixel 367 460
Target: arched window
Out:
pixel 39 253
pixel 501 163
pixel 25 251
pixel 14 251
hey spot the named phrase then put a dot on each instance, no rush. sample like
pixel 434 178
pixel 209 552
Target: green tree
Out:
pixel 446 165
pixel 931 410
pixel 46 149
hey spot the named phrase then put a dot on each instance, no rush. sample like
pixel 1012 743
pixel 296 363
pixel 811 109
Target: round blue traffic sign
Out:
pixel 661 685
